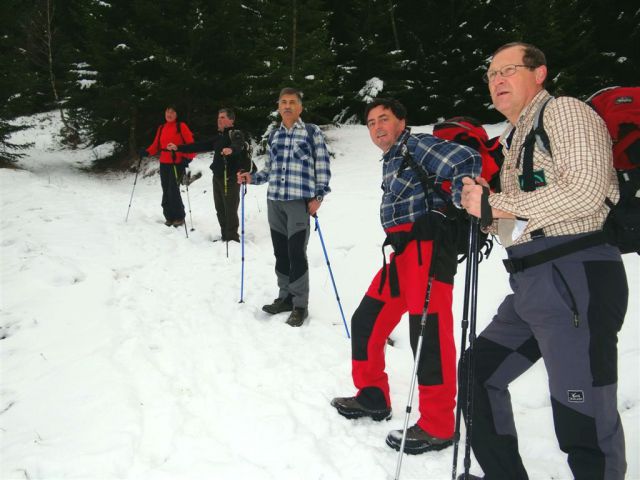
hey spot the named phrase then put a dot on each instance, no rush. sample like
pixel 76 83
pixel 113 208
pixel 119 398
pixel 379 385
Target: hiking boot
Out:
pixel 168 222
pixel 350 408
pixel 469 477
pixel 279 305
pixel 298 314
pixel 418 441
pixel 178 223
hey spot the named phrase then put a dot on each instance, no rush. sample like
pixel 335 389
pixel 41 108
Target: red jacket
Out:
pixel 166 134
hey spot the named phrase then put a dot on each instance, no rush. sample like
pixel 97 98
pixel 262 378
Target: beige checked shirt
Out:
pixel 579 175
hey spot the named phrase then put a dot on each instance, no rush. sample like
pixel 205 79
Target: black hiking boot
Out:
pixel 418 441
pixel 178 223
pixel 279 305
pixel 298 314
pixel 168 222
pixel 350 408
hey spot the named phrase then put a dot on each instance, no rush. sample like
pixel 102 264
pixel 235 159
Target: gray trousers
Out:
pixel 568 312
pixel 290 227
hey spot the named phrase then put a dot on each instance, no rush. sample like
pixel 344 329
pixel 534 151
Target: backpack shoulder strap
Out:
pixel 158 133
pixel 536 136
pixel 310 133
pixel 180 131
pixel 427 182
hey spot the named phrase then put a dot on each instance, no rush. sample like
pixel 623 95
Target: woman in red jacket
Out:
pixel 172 164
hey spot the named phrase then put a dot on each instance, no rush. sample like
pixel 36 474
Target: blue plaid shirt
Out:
pixel 291 169
pixel 403 198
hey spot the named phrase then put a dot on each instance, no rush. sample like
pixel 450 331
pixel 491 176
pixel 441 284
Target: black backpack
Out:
pixel 458 221
pixel 239 143
pixel 620 110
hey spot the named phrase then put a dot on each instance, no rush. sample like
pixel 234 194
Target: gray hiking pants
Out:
pixel 290 227
pixel 568 312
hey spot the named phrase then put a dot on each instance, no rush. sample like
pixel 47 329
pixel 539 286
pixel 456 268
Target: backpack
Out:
pixel 469 132
pixel 619 107
pixel 458 222
pixel 238 142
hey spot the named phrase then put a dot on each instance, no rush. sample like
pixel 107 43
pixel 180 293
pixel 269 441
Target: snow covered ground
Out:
pixel 126 355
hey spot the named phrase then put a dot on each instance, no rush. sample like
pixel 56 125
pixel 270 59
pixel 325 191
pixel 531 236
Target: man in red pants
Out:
pixel 412 215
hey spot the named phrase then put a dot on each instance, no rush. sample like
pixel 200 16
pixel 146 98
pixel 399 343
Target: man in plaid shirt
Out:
pixel 413 220
pixel 569 286
pixel 298 174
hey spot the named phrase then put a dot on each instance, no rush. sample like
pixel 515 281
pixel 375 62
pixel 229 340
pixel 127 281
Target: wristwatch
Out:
pixel 319 198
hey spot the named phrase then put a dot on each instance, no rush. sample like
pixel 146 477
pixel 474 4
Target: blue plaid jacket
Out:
pixel 403 198
pixel 291 169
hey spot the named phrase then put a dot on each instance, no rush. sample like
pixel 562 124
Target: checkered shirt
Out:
pixel 291 169
pixel 403 198
pixel 579 175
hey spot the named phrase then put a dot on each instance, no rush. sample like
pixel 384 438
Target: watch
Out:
pixel 319 198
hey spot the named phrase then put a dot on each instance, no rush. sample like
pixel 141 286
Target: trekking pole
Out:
pixel 473 314
pixel 471 264
pixel 175 173
pixel 186 183
pixel 335 289
pixel 133 189
pixel 423 323
pixel 244 192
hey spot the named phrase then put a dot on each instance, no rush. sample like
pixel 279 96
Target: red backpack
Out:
pixel 620 109
pixel 470 132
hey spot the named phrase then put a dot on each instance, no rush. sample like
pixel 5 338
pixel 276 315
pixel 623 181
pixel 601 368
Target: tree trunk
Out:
pixel 70 134
pixel 393 25
pixel 294 37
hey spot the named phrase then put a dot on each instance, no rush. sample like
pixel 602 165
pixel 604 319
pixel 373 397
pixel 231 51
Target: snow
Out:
pixel 371 89
pixel 126 355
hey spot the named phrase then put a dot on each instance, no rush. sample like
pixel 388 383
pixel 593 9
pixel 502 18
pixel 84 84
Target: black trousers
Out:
pixel 226 199
pixel 172 205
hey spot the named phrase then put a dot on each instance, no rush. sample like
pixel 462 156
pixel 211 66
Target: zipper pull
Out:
pixel 576 320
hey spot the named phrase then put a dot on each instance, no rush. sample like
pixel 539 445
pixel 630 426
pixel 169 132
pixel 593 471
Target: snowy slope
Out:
pixel 126 355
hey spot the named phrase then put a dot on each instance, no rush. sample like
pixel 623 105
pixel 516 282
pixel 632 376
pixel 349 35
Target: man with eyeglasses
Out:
pixel 569 287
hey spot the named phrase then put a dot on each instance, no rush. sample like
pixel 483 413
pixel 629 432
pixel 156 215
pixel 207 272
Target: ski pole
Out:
pixel 472 338
pixel 423 323
pixel 418 351
pixel 133 189
pixel 244 192
pixel 471 264
pixel 335 289
pixel 189 203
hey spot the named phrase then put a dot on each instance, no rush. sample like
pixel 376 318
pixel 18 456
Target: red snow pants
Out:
pixel 378 314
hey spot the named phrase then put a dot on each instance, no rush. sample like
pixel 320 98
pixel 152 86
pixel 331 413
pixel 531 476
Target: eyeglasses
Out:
pixel 505 71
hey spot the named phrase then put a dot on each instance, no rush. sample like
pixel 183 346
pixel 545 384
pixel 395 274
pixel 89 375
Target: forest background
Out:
pixel 110 67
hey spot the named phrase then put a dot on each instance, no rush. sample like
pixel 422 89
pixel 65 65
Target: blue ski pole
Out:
pixel 335 289
pixel 244 192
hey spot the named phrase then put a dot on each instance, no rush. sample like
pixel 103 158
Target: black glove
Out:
pixel 143 153
pixel 186 162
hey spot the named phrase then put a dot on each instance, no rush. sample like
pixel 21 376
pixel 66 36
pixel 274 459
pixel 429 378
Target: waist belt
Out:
pixel 515 265
pixel 426 228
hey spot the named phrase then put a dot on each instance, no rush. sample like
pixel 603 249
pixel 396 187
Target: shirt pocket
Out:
pixel 302 154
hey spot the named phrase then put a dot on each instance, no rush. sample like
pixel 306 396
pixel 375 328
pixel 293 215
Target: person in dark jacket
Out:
pixel 172 164
pixel 229 148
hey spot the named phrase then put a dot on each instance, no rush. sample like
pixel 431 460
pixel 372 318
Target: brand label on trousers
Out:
pixel 575 396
